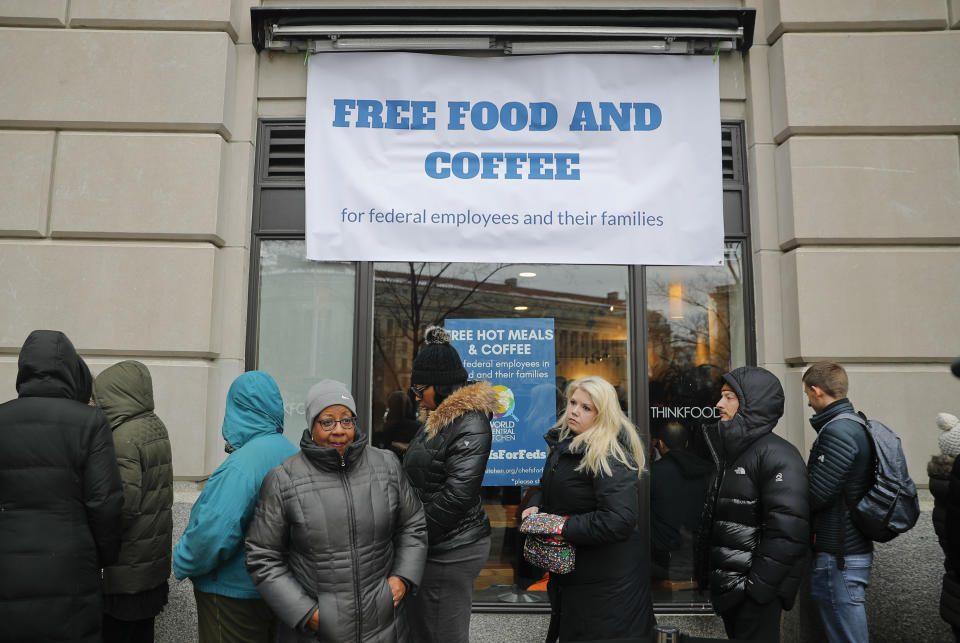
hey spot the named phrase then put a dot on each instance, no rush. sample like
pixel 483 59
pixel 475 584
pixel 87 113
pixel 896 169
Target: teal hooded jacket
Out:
pixel 211 550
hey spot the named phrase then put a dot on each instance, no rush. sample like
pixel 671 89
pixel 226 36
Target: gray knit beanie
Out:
pixel 438 362
pixel 327 393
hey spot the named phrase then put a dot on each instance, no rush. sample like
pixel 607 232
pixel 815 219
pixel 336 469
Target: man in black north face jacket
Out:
pixel 757 509
pixel 60 498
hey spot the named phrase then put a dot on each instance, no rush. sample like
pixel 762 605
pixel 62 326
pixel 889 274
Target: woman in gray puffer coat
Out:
pixel 338 536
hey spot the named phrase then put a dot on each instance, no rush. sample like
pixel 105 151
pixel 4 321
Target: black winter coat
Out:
pixel 446 461
pixel 607 595
pixel 758 507
pixel 840 470
pixel 945 486
pixel 60 498
pixel 327 533
pixel 678 487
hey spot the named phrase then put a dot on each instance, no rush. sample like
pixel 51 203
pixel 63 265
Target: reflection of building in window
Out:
pixel 695 330
pixel 695 333
pixel 591 332
pixel 701 335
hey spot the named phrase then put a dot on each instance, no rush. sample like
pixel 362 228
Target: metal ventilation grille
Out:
pixel 285 158
pixel 730 166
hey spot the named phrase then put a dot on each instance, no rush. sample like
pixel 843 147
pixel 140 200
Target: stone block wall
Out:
pixel 126 161
pixel 854 166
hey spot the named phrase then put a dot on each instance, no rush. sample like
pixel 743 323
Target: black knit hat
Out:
pixel 438 362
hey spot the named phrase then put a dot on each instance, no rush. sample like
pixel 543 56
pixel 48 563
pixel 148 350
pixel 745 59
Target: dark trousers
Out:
pixel 439 612
pixel 221 619
pixel 752 621
pixel 117 631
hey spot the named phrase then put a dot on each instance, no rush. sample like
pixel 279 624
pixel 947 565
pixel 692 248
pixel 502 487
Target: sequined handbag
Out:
pixel 543 548
pixel 557 557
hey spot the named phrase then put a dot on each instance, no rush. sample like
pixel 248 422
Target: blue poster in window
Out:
pixel 517 357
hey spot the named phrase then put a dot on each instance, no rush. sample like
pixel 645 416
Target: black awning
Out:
pixel 595 29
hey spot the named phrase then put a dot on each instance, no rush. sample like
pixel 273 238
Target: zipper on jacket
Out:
pixel 354 557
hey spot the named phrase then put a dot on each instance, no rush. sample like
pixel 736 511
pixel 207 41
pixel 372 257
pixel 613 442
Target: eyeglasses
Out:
pixel 417 391
pixel 327 424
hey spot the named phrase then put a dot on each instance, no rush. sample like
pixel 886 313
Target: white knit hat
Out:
pixel 950 440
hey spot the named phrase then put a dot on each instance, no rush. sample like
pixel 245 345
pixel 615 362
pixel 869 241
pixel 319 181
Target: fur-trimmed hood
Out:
pixel 478 396
pixel 940 466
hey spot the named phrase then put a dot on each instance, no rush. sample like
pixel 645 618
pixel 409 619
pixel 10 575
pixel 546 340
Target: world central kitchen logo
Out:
pixel 506 403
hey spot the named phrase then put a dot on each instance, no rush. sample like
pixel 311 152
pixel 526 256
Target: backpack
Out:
pixel 890 506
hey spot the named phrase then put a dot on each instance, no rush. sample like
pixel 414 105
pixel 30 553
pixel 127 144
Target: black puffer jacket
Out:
pixel 840 470
pixel 327 533
pixel 446 461
pixel 945 487
pixel 759 526
pixel 607 595
pixel 60 498
pixel 124 392
pixel 678 488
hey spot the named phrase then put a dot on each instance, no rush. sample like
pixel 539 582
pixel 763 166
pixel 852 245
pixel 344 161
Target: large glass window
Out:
pixel 695 333
pixel 587 308
pixel 305 324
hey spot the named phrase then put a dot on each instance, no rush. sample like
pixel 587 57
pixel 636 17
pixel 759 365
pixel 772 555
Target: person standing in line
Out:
pixel 944 475
pixel 678 487
pixel 757 516
pixel 840 469
pixel 446 461
pixel 338 538
pixel 592 479
pixel 60 498
pixel 211 551
pixel 135 587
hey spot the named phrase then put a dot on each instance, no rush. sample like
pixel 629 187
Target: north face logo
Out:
pixel 779 478
pixel 740 471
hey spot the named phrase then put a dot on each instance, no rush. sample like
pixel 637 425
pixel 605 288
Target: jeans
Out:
pixel 840 595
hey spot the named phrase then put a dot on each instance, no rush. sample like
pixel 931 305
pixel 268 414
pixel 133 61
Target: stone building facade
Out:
pixel 128 136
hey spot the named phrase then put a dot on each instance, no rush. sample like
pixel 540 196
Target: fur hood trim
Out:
pixel 473 397
pixel 940 466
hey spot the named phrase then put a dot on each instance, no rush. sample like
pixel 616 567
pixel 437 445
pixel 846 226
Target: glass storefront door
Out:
pixel 695 333
pixel 586 306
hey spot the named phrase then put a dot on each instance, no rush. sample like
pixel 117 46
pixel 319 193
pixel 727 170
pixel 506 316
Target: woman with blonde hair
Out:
pixel 592 480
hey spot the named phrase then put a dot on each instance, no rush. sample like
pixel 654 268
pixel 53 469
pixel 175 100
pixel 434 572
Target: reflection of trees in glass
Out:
pixel 590 329
pixel 690 317
pixel 409 302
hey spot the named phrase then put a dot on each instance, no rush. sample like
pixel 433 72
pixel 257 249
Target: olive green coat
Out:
pixel 125 394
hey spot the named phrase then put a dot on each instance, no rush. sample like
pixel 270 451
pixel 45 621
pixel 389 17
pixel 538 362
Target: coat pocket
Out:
pixel 384 607
pixel 330 625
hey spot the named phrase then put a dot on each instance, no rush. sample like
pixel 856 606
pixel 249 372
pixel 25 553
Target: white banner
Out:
pixel 598 158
